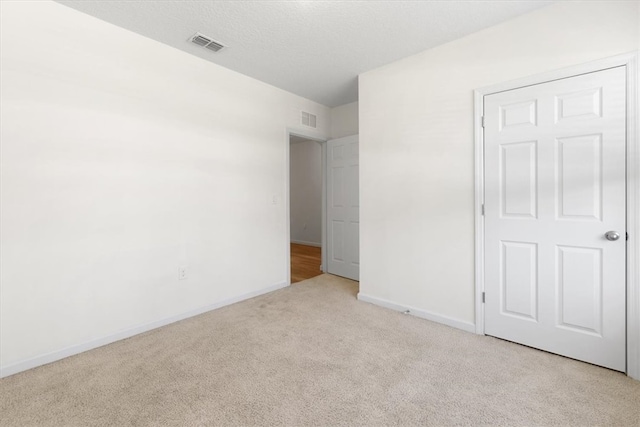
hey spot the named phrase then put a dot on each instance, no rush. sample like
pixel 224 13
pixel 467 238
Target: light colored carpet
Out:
pixel 311 354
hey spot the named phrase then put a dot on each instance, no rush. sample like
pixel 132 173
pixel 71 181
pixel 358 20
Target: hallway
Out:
pixel 305 262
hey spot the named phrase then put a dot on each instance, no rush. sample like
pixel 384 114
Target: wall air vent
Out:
pixel 206 42
pixel 308 119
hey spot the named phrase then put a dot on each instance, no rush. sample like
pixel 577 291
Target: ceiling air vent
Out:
pixel 308 119
pixel 206 42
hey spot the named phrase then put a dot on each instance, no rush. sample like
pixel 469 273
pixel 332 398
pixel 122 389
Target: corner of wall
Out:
pixel 344 120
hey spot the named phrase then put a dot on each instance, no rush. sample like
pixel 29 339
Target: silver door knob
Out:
pixel 612 235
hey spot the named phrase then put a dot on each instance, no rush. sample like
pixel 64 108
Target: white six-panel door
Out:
pixel 343 208
pixel 554 186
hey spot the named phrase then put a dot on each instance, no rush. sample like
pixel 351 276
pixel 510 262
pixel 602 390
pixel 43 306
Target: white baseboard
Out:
pixel 423 314
pixel 302 242
pixel 44 359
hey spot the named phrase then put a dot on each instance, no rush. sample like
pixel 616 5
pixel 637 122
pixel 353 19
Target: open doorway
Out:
pixel 306 207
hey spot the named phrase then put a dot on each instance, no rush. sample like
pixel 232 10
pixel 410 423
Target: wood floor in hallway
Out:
pixel 305 262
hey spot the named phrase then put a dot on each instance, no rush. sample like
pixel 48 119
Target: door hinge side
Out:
pixel 626 236
pixel 482 121
pixel 483 209
pixel 483 297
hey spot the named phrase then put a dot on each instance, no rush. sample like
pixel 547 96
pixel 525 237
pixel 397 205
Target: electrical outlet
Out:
pixel 182 273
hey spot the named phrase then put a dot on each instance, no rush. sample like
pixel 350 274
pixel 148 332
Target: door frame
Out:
pixel 630 61
pixel 323 230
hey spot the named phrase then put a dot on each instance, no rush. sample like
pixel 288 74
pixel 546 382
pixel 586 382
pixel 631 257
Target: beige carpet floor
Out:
pixel 311 354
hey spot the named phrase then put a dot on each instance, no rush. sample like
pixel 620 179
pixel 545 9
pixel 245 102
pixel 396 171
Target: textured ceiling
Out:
pixel 315 49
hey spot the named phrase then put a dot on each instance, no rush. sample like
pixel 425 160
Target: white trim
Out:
pixel 54 356
pixel 633 190
pixel 313 136
pixel 302 242
pixel 423 314
pixel 633 219
pixel 590 67
pixel 478 100
pixel 324 229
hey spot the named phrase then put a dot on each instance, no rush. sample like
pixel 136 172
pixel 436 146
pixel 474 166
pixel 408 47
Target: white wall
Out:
pixel 344 120
pixel 123 159
pixel 306 193
pixel 416 146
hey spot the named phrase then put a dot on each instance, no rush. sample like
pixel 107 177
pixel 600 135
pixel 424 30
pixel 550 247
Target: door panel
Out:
pixel 343 208
pixel 579 177
pixel 519 281
pixel 518 182
pixel 554 185
pixel 337 241
pixel 580 288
